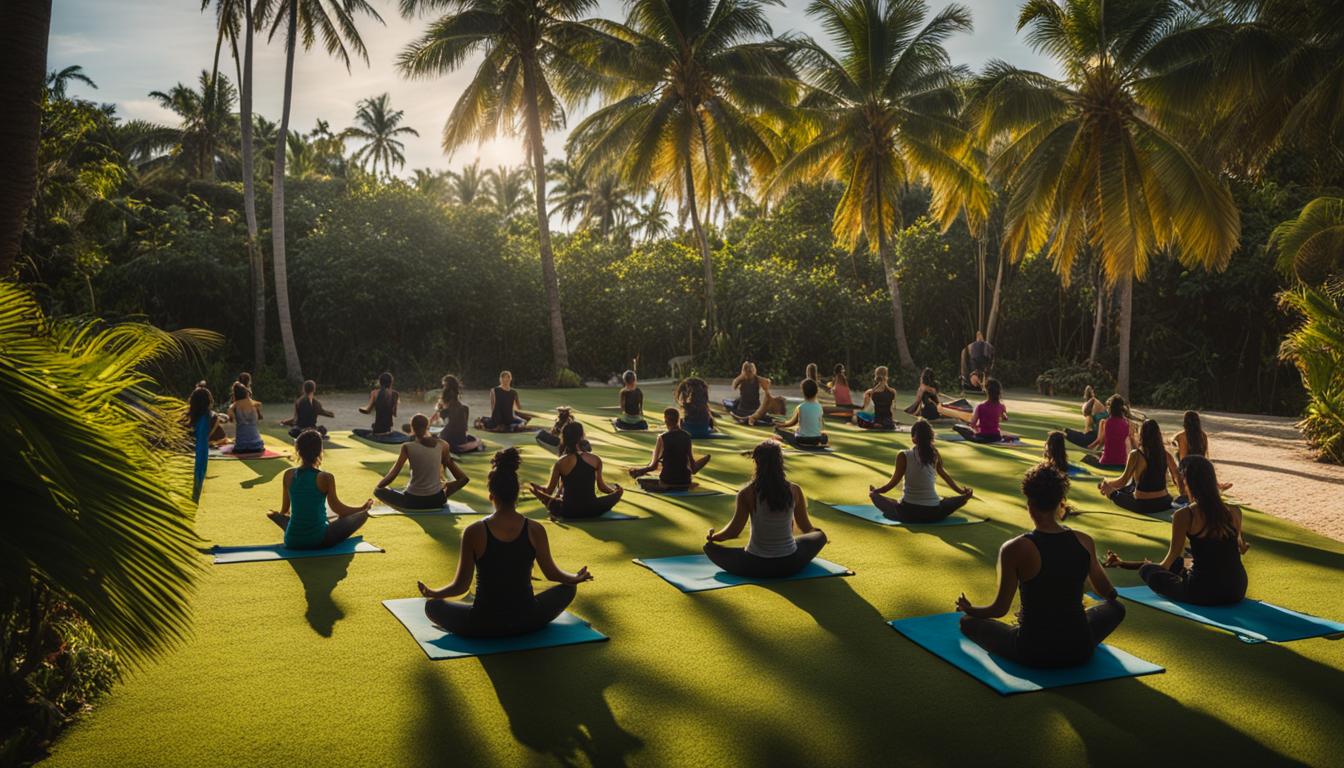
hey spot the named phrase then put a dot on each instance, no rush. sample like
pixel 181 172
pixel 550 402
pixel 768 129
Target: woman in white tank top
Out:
pixel 429 457
pixel 918 467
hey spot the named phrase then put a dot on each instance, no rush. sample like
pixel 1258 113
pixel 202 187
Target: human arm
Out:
pixel 466 565
pixel 284 491
pixel 396 468
pixel 1180 528
pixel 317 405
pixel 1107 487
pixel 602 483
pixel 1101 583
pixel 1008 562
pixel 746 501
pixel 326 482
pixel 457 477
pixel 896 474
pixel 800 517
pixel 792 420
pixel 546 562
pixel 653 460
pixel 368 408
pixel 554 481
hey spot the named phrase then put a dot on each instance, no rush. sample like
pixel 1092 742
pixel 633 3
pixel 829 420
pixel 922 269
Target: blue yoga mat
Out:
pixel 695 573
pixel 1250 620
pixel 874 515
pixel 940 635
pixel 437 643
pixel 451 508
pixel 265 552
pixel 1077 471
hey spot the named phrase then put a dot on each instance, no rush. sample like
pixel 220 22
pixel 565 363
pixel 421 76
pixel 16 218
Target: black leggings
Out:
pixel 793 439
pixel 1003 640
pixel 296 431
pixel 1081 439
pixel 464 619
pixel 403 500
pixel 975 437
pixel 1092 460
pixel 1124 499
pixel 865 422
pixel 917 513
pixel 629 426
pixel 1174 584
pixel 740 562
pixel 595 508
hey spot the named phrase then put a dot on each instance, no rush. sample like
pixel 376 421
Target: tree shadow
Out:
pixel 320 575
pixel 265 471
pixel 442 728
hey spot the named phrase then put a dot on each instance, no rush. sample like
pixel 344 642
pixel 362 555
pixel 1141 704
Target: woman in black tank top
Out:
pixel 576 477
pixel 306 410
pixel 1143 486
pixel 876 412
pixel 454 415
pixel 673 454
pixel 383 405
pixel 632 405
pixel 500 551
pixel 506 413
pixel 1050 565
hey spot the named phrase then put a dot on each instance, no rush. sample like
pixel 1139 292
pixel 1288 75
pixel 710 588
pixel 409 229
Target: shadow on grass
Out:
pixel 320 575
pixel 265 471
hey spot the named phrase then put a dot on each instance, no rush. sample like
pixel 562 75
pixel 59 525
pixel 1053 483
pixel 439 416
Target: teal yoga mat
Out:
pixel 437 643
pixel 1250 620
pixel 940 635
pixel 451 508
pixel 874 515
pixel 265 552
pixel 695 573
pixel 602 518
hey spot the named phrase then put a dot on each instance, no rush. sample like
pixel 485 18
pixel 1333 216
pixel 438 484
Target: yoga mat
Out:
pixel 874 515
pixel 451 508
pixel 695 573
pixel 1077 471
pixel 437 643
pixel 391 438
pixel 264 552
pixel 621 426
pixel 940 635
pixel 1005 439
pixel 607 516
pixel 685 492
pixel 1250 620
pixel 791 448
pixel 227 453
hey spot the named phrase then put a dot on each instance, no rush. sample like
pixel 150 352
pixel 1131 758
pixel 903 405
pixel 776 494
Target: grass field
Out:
pixel 298 663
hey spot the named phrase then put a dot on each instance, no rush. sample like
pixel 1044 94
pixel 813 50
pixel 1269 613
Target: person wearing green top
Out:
pixel 807 418
pixel 308 492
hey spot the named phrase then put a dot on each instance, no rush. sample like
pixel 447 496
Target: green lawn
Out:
pixel 297 663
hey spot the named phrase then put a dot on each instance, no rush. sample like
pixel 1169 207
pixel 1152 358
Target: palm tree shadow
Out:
pixel 265 471
pixel 320 575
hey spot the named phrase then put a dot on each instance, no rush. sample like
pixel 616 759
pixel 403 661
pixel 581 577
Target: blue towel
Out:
pixel 1250 620
pixel 695 573
pixel 437 643
pixel 263 552
pixel 874 515
pixel 940 635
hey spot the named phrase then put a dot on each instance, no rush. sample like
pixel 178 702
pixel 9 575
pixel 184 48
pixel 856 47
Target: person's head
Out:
pixel 769 481
pixel 748 368
pixel 503 478
pixel 1089 394
pixel 1116 408
pixel 309 388
pixel 200 403
pixel 811 373
pixel 926 378
pixel 838 370
pixel 993 391
pixel 309 447
pixel 880 376
pixel 979 335
pixel 1202 483
pixel 505 379
pixel 1056 452
pixel 452 389
pixel 921 434
pixel 385 380
pixel 628 378
pixel 810 389
pixel 672 418
pixel 1195 439
pixel 1150 442
pixel 1045 488
pixel 245 379
pixel 570 437
pixel 240 391
pixel 420 425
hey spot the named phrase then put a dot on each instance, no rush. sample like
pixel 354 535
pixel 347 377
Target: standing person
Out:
pixel 877 400
pixel 984 421
pixel 1115 437
pixel 383 405
pixel 844 399
pixel 246 414
pixel 917 467
pixel 429 457
pixel 774 506
pixel 505 408
pixel 306 410
pixel 632 405
pixel 455 416
pixel 576 477
pixel 1050 566
pixel 693 396
pixel 500 552
pixel 672 456
pixel 1143 486
pixel 308 493
pixel 807 417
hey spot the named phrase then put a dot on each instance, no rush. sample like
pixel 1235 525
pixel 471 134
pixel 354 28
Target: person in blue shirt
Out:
pixel 807 418
pixel 308 492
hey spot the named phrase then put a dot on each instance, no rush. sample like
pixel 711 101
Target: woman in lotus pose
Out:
pixel 500 550
pixel 693 396
pixel 754 404
pixel 246 414
pixel 1050 566
pixel 306 410
pixel 1143 486
pixel 1192 440
pixel 844 399
pixel 1213 529
pixel 564 416
pixel 983 422
pixel 672 453
pixel 1115 437
pixel 918 466
pixel 807 418
pixel 307 494
pixel 506 413
pixel 774 506
pixel 429 457
pixel 575 480
pixel 455 416
pixel 926 397
pixel 876 412
pixel 383 405
pixel 632 405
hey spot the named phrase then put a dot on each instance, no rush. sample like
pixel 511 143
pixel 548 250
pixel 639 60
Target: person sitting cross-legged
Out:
pixel 672 457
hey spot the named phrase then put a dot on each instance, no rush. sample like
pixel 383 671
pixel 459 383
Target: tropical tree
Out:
pixel 379 126
pixel 882 112
pixel 525 77
pixel 206 133
pixel 432 184
pixel 566 190
pixel 1317 349
pixel 506 189
pixel 304 22
pixel 301 158
pixel 24 28
pixel 57 80
pixel 1311 247
pixel 691 86
pixel 1088 161
pixel 652 220
pixel 467 185
pixel 603 202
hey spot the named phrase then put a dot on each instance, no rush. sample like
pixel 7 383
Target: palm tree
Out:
pixel 205 134
pixel 379 126
pixel 301 157
pixel 1311 247
pixel 652 220
pixel 506 188
pixel 432 184
pixel 567 189
pixel 24 29
pixel 467 185
pixel 524 77
pixel 692 82
pixel 57 80
pixel 882 111
pixel 304 21
pixel 603 202
pixel 1088 160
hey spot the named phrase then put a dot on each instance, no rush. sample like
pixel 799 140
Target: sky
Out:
pixel 132 47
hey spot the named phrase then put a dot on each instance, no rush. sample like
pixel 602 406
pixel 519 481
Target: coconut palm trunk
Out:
pixel 1098 320
pixel 292 369
pixel 703 243
pixel 24 28
pixel 255 258
pixel 1125 323
pixel 994 302
pixel 537 146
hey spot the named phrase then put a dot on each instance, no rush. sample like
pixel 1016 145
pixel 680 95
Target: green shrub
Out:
pixel 1072 378
pixel 1316 347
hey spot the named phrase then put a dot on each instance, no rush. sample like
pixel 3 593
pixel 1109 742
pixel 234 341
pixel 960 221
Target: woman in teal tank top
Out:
pixel 308 492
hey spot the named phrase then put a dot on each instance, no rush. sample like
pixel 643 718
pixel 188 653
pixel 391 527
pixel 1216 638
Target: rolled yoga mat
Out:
pixel 438 643
pixel 1252 621
pixel 696 573
pixel 266 552
pixel 874 515
pixel 940 635
pixel 451 508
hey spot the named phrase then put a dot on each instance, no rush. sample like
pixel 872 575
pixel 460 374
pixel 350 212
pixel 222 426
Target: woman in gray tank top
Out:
pixel 919 467
pixel 428 457
pixel 773 505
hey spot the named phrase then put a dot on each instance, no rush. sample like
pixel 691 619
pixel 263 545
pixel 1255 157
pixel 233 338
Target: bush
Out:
pixel 1316 347
pixel 1072 378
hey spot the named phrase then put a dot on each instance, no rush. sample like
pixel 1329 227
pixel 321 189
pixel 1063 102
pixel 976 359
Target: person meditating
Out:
pixel 983 422
pixel 1143 486
pixel 429 457
pixel 383 405
pixel 1049 565
pixel 917 466
pixel 976 360
pixel 576 477
pixel 844 399
pixel 245 413
pixel 551 438
pixel 877 400
pixel 1216 575
pixel 807 418
pixel 672 457
pixel 693 396
pixel 306 495
pixel 754 404
pixel 455 416
pixel 205 426
pixel 306 410
pixel 1192 440
pixel 774 506
pixel 632 405
pixel 506 413
pixel 500 551
pixel 1093 412
pixel 1114 436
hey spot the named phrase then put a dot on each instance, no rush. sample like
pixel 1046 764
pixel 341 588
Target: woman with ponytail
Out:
pixel 500 552
pixel 429 457
pixel 1143 486
pixel 575 480
pixel 307 494
pixel 383 405
pixel 455 416
pixel 920 502
pixel 876 411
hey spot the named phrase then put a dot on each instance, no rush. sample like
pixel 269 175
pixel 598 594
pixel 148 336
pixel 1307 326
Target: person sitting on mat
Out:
pixel 383 405
pixel 203 424
pixel 810 373
pixel 245 379
pixel 500 551
pixel 1093 412
pixel 754 404
pixel 571 493
pixel 506 413
pixel 1143 486
pixel 693 396
pixel 246 414
pixel 673 454
pixel 429 457
pixel 807 418
pixel 306 410
pixel 1216 575
pixel 564 416
pixel 773 505
pixel 1049 565
pixel 844 399
pixel 926 401
pixel 1192 441
pixel 1115 437
pixel 877 400
pixel 917 466
pixel 455 416
pixel 632 405
pixel 1057 455
pixel 307 494
pixel 983 422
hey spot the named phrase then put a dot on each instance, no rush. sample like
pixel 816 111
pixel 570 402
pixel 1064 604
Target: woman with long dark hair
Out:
pixel 1143 486
pixel 1212 527
pixel 1192 440
pixel 455 416
pixel 693 396
pixel 575 480
pixel 203 425
pixel 1115 437
pixel 918 467
pixel 982 423
pixel 383 405
pixel 307 494
pixel 774 506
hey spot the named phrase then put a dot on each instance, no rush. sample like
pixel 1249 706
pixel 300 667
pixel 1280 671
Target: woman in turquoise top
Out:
pixel 807 417
pixel 307 494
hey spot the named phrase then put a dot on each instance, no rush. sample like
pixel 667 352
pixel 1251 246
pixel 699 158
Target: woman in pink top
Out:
pixel 984 420
pixel 844 400
pixel 1115 437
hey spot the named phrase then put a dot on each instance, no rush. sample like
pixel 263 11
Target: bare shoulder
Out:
pixel 1085 540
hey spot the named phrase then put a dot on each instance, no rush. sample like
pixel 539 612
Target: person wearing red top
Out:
pixel 1115 437
pixel 983 422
